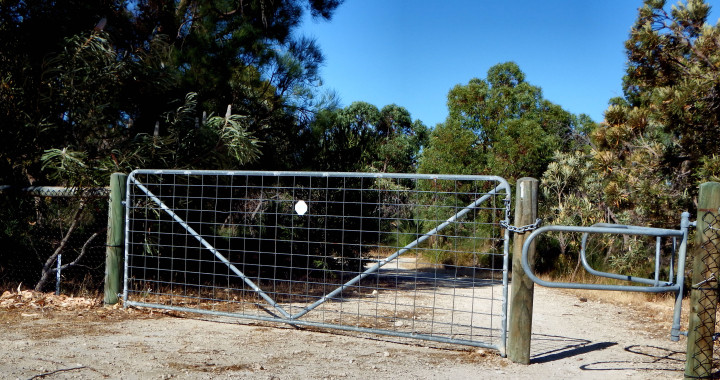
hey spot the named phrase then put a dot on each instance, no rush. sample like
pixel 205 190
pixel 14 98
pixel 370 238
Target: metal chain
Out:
pixel 521 229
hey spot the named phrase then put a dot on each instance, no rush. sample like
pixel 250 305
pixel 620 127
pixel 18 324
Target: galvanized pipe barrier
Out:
pixel 676 286
pixel 212 249
pixel 399 252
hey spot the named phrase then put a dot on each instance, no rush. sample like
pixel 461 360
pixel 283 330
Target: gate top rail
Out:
pixel 620 229
pixel 271 173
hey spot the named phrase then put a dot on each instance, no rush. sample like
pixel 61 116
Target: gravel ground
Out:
pixel 61 338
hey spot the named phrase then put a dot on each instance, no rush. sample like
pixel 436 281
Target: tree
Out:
pixel 658 141
pixel 360 137
pixel 120 84
pixel 515 129
pixel 245 53
pixel 87 88
pixel 571 192
pixel 673 73
pixel 451 149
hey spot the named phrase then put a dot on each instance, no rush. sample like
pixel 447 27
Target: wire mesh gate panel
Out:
pixel 420 256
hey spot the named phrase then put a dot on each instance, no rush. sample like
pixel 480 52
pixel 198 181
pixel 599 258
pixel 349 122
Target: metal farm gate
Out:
pixel 409 255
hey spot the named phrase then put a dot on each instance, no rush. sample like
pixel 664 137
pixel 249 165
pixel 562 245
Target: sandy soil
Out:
pixel 62 338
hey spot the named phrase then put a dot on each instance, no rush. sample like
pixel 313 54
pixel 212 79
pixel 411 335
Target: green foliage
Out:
pixel 451 149
pixel 655 144
pixel 673 75
pixel 658 141
pixel 710 168
pixel 571 192
pixel 362 138
pixel 65 164
pixel 500 125
pixel 88 88
pixel 114 85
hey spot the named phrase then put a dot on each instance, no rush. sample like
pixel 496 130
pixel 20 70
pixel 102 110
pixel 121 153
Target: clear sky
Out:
pixel 412 52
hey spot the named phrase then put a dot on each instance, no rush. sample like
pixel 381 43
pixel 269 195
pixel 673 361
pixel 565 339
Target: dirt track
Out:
pixel 573 338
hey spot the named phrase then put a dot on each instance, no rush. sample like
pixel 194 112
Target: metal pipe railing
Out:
pixel 653 285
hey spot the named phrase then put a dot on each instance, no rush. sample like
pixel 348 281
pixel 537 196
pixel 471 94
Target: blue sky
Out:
pixel 412 52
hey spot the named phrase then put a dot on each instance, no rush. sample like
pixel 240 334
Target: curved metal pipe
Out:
pixel 604 228
pixel 626 230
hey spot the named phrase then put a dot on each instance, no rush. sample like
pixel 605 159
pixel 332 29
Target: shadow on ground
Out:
pixel 549 348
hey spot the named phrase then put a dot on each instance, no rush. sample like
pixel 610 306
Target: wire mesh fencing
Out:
pixel 53 238
pixel 414 256
pixel 704 350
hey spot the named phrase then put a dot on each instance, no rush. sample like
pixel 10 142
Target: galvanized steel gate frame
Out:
pixel 281 312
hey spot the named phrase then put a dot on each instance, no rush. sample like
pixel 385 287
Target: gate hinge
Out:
pixel 521 229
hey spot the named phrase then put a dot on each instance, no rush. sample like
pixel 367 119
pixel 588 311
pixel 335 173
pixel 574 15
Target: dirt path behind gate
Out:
pixel 75 338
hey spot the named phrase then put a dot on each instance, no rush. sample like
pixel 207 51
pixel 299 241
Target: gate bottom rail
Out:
pixel 300 322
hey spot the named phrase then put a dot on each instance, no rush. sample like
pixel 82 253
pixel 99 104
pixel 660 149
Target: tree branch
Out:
pixel 82 252
pixel 56 371
pixel 46 270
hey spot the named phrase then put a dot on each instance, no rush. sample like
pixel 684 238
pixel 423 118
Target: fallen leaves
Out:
pixel 42 301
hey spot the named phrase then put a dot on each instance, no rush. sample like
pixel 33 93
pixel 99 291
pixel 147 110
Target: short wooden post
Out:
pixel 115 239
pixel 704 292
pixel 522 288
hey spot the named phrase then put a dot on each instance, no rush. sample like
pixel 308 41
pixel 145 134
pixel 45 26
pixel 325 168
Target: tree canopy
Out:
pixel 644 161
pixel 360 137
pixel 657 142
pixel 92 87
pixel 500 125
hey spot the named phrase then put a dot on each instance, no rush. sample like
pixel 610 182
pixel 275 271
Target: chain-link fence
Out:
pixel 704 350
pixel 53 238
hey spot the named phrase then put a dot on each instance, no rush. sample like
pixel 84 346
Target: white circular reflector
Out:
pixel 301 207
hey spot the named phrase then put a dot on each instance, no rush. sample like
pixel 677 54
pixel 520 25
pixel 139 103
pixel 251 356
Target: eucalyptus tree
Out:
pixel 91 87
pixel 101 86
pixel 499 125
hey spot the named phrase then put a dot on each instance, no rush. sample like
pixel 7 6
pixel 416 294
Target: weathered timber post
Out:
pixel 115 238
pixel 522 288
pixel 704 292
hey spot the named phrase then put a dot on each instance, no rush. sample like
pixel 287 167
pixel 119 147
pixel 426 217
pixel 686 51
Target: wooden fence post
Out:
pixel 115 239
pixel 522 288
pixel 704 291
